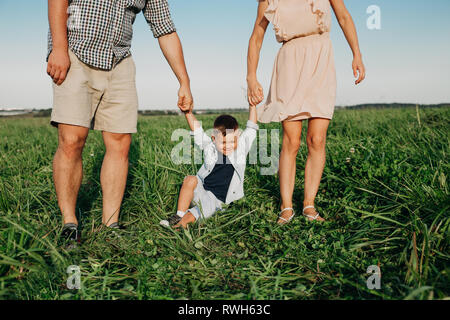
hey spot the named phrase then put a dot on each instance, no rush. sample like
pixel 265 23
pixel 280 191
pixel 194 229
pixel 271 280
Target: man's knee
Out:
pixel 117 143
pixel 71 144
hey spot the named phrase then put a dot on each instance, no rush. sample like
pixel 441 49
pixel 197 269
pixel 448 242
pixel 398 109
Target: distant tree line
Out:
pixel 37 113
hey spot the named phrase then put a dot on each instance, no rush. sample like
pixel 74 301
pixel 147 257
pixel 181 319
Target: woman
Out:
pixel 303 86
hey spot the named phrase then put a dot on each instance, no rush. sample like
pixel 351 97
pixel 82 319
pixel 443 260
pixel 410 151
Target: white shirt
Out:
pixel 238 158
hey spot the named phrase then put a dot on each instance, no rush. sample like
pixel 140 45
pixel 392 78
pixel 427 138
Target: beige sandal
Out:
pixel 308 216
pixel 288 219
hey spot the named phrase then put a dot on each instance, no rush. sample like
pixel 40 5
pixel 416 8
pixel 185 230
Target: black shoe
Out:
pixel 70 236
pixel 171 221
pixel 116 225
pixel 116 229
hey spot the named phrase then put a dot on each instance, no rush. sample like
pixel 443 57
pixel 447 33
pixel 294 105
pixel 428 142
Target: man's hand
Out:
pixel 185 100
pixel 58 65
pixel 255 94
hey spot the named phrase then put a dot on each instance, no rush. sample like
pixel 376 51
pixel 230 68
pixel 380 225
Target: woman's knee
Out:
pixel 291 145
pixel 292 132
pixel 316 142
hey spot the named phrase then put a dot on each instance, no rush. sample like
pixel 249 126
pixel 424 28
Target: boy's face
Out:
pixel 226 144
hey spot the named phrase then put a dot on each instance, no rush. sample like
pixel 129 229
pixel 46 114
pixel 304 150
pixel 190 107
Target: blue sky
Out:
pixel 407 60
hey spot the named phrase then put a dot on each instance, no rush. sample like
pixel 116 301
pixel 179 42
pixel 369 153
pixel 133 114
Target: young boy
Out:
pixel 220 180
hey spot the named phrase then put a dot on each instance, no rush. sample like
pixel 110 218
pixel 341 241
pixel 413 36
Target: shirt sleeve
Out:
pixel 248 136
pixel 201 139
pixel 157 14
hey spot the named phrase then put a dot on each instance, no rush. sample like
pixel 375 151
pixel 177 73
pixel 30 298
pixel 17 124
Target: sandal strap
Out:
pixel 312 217
pixel 288 219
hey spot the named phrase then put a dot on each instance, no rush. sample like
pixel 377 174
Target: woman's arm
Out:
pixel 348 27
pixel 255 92
pixel 58 61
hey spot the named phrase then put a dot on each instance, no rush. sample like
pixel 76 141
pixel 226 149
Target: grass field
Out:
pixel 388 205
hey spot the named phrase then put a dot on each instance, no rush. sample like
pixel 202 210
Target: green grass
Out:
pixel 388 206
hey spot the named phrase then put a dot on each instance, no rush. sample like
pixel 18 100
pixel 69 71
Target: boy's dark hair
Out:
pixel 225 122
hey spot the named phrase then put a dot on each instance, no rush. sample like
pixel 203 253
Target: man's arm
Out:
pixel 58 61
pixel 157 14
pixel 171 47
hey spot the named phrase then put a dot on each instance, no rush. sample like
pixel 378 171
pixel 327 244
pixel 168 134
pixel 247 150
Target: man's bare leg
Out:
pixel 114 172
pixel 68 168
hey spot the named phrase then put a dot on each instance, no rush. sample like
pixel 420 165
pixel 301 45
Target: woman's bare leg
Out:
pixel 315 163
pixel 292 131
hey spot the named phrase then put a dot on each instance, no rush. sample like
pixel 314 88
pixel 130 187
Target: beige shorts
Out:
pixel 97 99
pixel 205 202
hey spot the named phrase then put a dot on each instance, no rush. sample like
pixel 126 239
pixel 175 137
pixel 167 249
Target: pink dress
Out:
pixel 304 77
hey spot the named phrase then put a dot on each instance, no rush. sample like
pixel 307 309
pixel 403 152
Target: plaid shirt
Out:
pixel 100 31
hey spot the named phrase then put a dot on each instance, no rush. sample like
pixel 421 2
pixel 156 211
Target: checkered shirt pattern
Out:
pixel 100 31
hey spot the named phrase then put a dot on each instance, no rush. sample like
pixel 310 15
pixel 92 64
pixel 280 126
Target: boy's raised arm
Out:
pixel 192 120
pixel 58 61
pixel 249 134
pixel 252 116
pixel 201 139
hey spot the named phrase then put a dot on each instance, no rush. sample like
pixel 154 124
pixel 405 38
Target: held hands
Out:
pixel 185 100
pixel 255 94
pixel 58 65
pixel 359 71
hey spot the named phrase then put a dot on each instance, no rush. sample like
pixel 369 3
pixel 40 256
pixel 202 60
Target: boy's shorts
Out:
pixel 206 203
pixel 97 99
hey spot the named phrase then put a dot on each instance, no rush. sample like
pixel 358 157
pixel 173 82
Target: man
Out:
pixel 94 87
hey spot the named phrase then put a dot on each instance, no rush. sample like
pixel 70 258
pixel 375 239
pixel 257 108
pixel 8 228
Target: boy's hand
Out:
pixel 58 65
pixel 185 100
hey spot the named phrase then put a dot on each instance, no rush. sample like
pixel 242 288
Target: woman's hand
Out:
pixel 359 71
pixel 255 93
